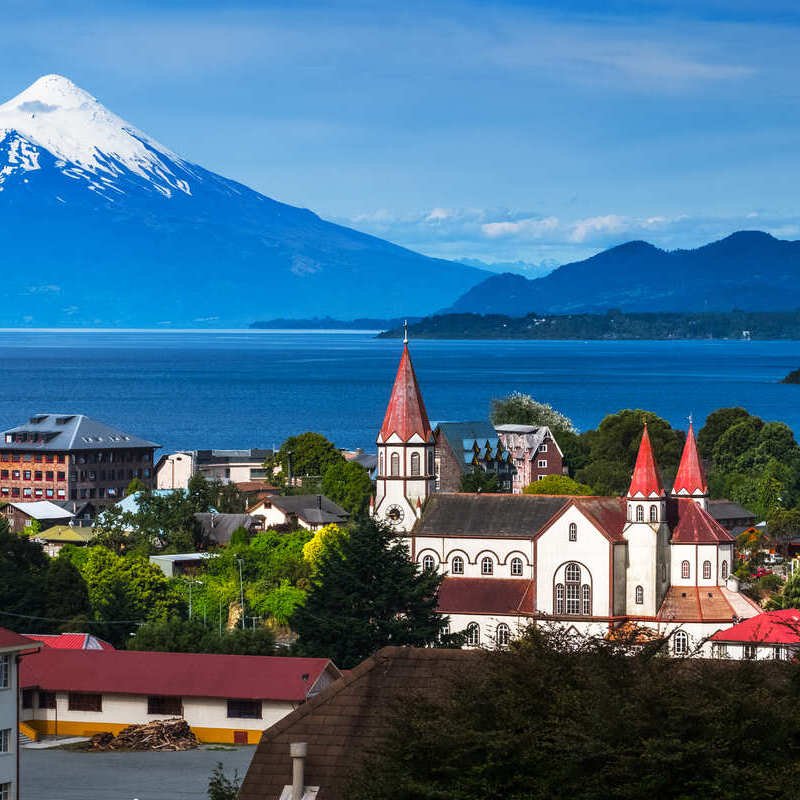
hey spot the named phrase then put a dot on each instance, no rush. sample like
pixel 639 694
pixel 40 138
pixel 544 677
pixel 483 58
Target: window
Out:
pixel 502 634
pixel 244 709
pixel 457 565
pixel 749 651
pixel 165 706
pixel 721 650
pixel 516 566
pixel 724 570
pixel 663 572
pixel 640 595
pixel 685 572
pixel 573 532
pixel 5 740
pixel 380 466
pixel 680 644
pixel 586 596
pixel 5 791
pixel 540 477
pixel 428 563
pixel 542 463
pixel 487 565
pixel 572 583
pixel 473 634
pixel 706 570
pixel 543 448
pixel 47 699
pixel 27 698
pixel 395 464
pixel 559 604
pixel 777 653
pixel 5 671
pixel 653 513
pixel 640 513
pixel 415 464
pixel 83 701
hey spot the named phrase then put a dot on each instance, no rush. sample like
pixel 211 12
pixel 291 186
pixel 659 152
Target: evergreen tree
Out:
pixel 367 594
pixel 23 566
pixel 65 593
pixel 348 484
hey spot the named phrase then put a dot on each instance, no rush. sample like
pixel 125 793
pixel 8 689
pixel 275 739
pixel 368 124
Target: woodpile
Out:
pixel 161 734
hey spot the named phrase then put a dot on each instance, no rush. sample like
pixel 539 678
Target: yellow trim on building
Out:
pixel 27 730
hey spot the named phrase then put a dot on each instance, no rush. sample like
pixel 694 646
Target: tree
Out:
pixel 23 567
pixel 367 594
pixel 326 537
pixel 784 524
pixel 310 454
pixel 558 485
pixel 32 529
pixel 521 409
pixel 220 787
pixel 135 485
pixel 65 594
pixel 178 635
pixel 479 480
pixel 348 484
pixel 717 423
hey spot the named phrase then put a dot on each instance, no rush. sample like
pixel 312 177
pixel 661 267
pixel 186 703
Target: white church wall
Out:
pixel 473 550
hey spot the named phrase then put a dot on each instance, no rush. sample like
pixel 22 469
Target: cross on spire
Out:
pixel 405 331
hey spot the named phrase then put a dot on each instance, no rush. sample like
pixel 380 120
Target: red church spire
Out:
pixel 406 415
pixel 646 481
pixel 691 479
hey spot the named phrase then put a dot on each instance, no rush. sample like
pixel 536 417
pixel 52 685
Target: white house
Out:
pixel 174 470
pixel 773 635
pixel 309 511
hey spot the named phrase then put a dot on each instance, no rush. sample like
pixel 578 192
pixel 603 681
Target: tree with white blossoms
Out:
pixel 521 409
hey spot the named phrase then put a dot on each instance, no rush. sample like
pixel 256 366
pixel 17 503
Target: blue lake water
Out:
pixel 230 389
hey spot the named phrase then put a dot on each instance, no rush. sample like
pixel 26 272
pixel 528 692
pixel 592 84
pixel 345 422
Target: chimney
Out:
pixel 298 751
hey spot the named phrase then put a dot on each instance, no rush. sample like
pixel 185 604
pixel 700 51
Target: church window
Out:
pixel 680 644
pixel 395 464
pixel 724 570
pixel 685 571
pixel 573 532
pixel 663 572
pixel 487 565
pixel 653 513
pixel 559 605
pixel 473 634
pixel 586 596
pixel 502 634
pixel 457 565
pixel 639 595
pixel 706 570
pixel 430 462
pixel 381 470
pixel 572 581
pixel 428 563
pixel 640 513
pixel 516 566
pixel 415 463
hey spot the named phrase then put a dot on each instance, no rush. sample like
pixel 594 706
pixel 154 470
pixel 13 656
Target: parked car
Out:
pixel 761 572
pixel 772 559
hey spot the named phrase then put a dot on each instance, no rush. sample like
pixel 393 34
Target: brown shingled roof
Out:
pixel 696 526
pixel 486 596
pixel 347 718
pixel 696 604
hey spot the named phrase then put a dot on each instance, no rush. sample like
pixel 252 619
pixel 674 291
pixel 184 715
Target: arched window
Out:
pixel 724 570
pixel 487 565
pixel 685 572
pixel 572 584
pixel 640 513
pixel 457 565
pixel 680 644
pixel 586 597
pixel 502 634
pixel 473 634
pixel 706 570
pixel 428 562
pixel 639 595
pixel 559 598
pixel 516 566
pixel 381 466
pixel 573 532
pixel 653 513
pixel 395 462
pixel 415 463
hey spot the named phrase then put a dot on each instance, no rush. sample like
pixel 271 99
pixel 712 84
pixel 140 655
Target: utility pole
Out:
pixel 241 589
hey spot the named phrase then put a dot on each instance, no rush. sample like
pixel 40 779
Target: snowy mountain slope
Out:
pixel 102 225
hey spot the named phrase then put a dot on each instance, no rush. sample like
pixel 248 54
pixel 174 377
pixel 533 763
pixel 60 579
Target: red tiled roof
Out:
pixel 72 641
pixel 773 627
pixel 176 674
pixel 696 604
pixel 486 596
pixel 9 639
pixel 405 414
pixel 690 478
pixel 608 513
pixel 696 526
pixel 646 480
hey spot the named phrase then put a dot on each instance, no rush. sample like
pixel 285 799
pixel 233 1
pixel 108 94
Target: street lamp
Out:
pixel 240 561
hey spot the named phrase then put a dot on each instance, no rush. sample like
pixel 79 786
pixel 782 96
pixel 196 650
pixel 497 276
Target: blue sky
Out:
pixel 500 131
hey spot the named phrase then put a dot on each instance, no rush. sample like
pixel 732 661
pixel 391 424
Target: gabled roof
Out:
pixel 72 641
pixel 10 641
pixel 220 527
pixel 690 524
pixel 704 604
pixel 66 534
pixel 646 482
pixel 405 414
pixel 175 674
pixel 315 509
pixel 486 596
pixel 727 509
pixel 771 627
pixel 608 513
pixel 691 479
pixel 66 432
pixel 487 515
pixel 43 509
pixel 344 721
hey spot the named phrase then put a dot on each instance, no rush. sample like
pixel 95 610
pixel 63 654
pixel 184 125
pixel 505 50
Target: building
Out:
pixel 177 564
pixel 55 538
pixel 219 528
pixel 42 512
pixel 732 516
pixel 463 447
pixel 174 470
pixel 534 453
pixel 309 511
pixel 71 641
pixel 12 646
pixel 342 723
pixel 71 457
pixel 773 635
pixel 224 698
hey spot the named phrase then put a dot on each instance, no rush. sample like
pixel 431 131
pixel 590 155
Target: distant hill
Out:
pixel 749 269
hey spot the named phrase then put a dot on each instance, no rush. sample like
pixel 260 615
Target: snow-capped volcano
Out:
pixel 102 225
pixel 86 140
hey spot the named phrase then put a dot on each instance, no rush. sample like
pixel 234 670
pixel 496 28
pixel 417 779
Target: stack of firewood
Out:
pixel 161 734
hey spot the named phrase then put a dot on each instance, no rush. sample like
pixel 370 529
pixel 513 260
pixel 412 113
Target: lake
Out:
pixel 238 389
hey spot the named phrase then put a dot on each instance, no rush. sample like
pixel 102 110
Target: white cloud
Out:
pixel 532 228
pixel 438 215
pixel 585 228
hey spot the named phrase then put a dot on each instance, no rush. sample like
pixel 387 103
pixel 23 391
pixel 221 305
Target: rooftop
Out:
pixel 315 509
pixel 10 641
pixel 71 641
pixel 704 604
pixel 43 509
pixel 694 525
pixel 486 596
pixel 771 627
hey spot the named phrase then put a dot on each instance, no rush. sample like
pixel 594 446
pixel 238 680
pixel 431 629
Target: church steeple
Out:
pixel 405 415
pixel 646 482
pixel 691 480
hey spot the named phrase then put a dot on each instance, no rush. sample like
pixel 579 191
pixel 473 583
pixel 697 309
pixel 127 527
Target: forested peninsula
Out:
pixel 611 325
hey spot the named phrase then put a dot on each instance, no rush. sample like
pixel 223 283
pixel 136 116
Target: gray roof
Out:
pixel 316 509
pixel 727 509
pixel 65 432
pixel 43 509
pixel 220 527
pixel 487 515
pixel 254 455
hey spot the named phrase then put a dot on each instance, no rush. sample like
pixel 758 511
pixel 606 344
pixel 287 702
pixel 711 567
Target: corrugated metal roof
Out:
pixel 67 432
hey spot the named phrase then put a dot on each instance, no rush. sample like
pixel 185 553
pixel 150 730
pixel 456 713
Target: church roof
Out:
pixel 692 525
pixel 405 414
pixel 646 481
pixel 704 604
pixel 690 478
pixel 486 596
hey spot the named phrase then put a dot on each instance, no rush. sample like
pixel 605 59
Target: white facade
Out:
pixel 174 471
pixel 501 557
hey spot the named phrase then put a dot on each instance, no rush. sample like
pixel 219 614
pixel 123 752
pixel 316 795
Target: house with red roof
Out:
pixel 773 635
pixel 224 698
pixel 71 641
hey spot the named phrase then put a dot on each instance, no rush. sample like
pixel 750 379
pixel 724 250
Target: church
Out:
pixel 652 560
